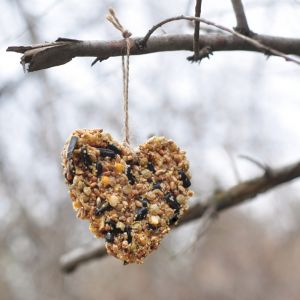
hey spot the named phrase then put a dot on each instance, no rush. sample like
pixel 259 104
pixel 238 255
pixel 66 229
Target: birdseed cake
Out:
pixel 131 198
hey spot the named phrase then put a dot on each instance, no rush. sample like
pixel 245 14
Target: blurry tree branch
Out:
pixel 219 201
pixel 83 254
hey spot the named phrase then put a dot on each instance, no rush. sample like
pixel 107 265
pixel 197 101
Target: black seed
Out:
pixel 114 229
pixel 170 199
pixel 69 178
pixel 145 202
pixel 125 262
pixel 109 237
pixel 157 185
pixel 111 223
pixel 185 180
pixel 128 231
pixel 173 219
pixel 114 149
pixel 71 147
pixel 150 167
pixel 130 176
pixel 99 168
pixel 70 172
pixel 85 157
pixel 100 210
pixel 151 227
pixel 118 231
pixel 141 213
pixel 132 162
pixel 107 153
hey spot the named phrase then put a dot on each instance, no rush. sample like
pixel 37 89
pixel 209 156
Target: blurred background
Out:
pixel 235 103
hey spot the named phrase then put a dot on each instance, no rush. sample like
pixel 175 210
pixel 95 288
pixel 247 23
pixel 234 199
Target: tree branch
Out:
pixel 198 55
pixel 242 24
pixel 62 51
pixel 266 49
pixel 262 166
pixel 197 27
pixel 83 254
pixel 219 201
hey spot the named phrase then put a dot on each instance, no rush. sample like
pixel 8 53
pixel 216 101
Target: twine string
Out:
pixel 111 17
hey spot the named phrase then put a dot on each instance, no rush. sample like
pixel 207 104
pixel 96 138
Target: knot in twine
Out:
pixel 111 17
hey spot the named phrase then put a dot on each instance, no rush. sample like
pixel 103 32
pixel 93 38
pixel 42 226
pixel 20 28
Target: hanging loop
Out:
pixel 111 17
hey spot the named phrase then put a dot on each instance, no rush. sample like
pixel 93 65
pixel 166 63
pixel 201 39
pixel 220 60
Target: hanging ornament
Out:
pixel 131 198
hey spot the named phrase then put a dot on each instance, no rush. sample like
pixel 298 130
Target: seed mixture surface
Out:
pixel 131 198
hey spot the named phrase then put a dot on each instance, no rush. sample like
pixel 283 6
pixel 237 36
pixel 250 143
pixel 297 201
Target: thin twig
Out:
pixel 264 167
pixel 234 166
pixel 252 41
pixel 220 201
pixel 197 28
pixel 196 45
pixel 204 225
pixel 242 24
